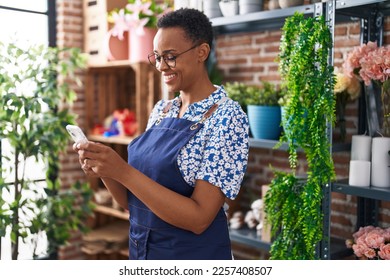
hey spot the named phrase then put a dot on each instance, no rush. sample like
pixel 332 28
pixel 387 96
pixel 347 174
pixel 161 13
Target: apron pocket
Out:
pixel 137 242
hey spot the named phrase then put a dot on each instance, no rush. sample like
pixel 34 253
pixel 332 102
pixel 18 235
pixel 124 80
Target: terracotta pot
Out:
pixel 140 45
pixel 116 49
pixel 273 4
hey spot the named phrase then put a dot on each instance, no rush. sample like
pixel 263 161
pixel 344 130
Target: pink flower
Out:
pixel 369 253
pixel 136 15
pixel 374 239
pixel 139 8
pixel 371 243
pixel 352 63
pixel 375 65
pixel 358 249
pixel 384 252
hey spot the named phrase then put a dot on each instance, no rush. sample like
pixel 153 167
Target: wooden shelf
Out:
pixel 122 140
pixel 116 64
pixel 106 210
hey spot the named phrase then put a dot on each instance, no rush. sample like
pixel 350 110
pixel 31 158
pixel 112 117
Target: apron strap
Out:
pixel 209 112
pixel 164 112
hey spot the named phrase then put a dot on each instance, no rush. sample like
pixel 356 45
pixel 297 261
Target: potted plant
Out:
pixel 264 111
pixel 34 109
pixel 293 203
pixel 239 92
pixel 139 18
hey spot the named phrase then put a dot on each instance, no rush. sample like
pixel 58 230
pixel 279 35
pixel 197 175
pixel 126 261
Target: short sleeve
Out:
pixel 225 156
pixel 154 114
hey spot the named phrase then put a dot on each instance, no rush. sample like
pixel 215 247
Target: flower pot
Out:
pixel 380 162
pixel 141 44
pixel 290 3
pixel 264 121
pixel 115 48
pixel 273 4
pixel 229 8
pixel 211 8
pixel 250 6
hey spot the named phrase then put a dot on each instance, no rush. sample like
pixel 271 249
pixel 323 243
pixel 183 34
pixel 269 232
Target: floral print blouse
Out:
pixel 218 153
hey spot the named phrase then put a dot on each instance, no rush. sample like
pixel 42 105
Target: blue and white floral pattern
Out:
pixel 218 153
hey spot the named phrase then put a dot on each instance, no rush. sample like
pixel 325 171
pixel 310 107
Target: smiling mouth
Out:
pixel 168 78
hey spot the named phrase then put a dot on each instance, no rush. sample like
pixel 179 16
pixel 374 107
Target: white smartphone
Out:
pixel 76 133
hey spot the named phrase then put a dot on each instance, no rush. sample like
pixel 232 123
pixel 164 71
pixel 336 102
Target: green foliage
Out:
pixel 293 206
pixel 267 94
pixel 34 109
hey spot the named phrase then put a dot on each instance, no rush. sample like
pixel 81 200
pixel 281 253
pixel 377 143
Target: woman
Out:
pixel 192 156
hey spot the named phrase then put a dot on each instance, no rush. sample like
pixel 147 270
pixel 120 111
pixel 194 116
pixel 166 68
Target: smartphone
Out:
pixel 76 133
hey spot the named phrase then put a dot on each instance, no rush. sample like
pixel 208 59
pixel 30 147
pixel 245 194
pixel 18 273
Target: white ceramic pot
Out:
pixel 290 3
pixel 250 6
pixel 380 162
pixel 211 8
pixel 229 8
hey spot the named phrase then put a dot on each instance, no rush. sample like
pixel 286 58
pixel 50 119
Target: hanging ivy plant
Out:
pixel 293 204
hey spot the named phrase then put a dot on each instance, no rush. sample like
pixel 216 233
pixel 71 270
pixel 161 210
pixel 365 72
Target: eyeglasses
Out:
pixel 170 59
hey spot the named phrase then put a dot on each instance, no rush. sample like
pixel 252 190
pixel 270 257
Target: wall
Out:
pixel 70 34
pixel 247 57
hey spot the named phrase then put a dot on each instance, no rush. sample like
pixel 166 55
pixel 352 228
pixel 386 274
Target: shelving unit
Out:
pixel 370 13
pixel 111 86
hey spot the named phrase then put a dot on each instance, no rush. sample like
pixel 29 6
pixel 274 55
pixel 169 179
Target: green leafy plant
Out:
pixel 293 204
pixel 244 94
pixel 239 92
pixel 34 109
pixel 266 95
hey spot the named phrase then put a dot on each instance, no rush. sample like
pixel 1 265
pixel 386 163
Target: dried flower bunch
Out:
pixel 347 88
pixel 371 243
pixel 347 84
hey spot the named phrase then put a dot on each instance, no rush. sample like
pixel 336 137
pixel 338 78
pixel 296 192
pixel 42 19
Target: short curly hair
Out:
pixel 195 24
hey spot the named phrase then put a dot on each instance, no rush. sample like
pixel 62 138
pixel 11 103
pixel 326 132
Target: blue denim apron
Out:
pixel 154 153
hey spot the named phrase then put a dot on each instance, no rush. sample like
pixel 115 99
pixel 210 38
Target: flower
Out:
pixel 136 15
pixel 347 88
pixel 371 243
pixel 375 65
pixel 371 63
pixel 347 84
pixel 352 65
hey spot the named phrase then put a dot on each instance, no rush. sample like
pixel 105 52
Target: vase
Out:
pixel 341 104
pixel 380 162
pixel 377 99
pixel 141 44
pixel 385 112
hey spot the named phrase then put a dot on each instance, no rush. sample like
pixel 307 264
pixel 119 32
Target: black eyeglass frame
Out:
pixel 166 60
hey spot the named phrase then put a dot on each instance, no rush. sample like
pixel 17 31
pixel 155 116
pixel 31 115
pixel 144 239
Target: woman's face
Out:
pixel 177 59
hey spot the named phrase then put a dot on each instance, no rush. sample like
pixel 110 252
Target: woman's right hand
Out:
pixel 84 161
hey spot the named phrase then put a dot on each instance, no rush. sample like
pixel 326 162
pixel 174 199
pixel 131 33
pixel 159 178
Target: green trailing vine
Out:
pixel 293 204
